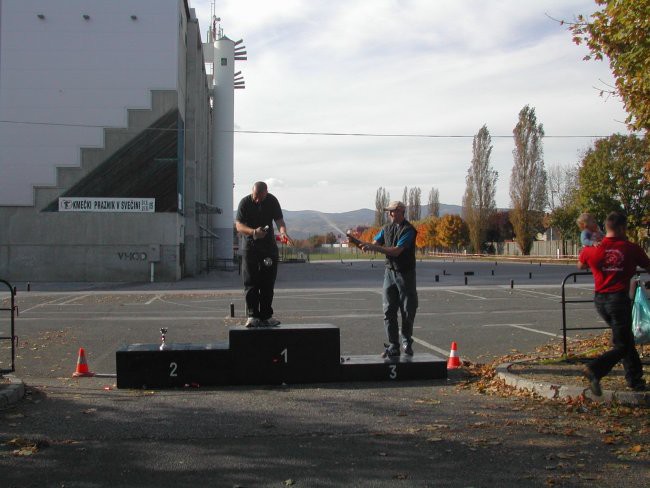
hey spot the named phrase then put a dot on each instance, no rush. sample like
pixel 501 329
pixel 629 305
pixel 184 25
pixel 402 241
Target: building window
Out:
pixel 224 61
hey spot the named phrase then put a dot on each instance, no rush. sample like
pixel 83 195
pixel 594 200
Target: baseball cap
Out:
pixel 394 205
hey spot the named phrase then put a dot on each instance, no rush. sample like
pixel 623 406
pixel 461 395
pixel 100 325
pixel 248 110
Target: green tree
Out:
pixel 611 178
pixel 481 180
pixel 499 227
pixel 619 30
pixel 564 219
pixel 528 179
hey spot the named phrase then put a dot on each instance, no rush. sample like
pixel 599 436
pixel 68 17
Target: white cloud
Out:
pixel 274 183
pixel 403 66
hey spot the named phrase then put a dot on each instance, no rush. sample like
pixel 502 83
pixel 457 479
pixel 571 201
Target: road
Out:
pixel 359 434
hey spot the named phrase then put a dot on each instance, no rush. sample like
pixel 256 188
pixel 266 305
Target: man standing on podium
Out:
pixel 255 216
pixel 397 241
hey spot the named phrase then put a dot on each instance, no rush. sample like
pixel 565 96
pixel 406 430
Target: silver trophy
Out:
pixel 163 344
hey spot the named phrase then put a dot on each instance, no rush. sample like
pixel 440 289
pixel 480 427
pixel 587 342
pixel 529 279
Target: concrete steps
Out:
pixel 114 139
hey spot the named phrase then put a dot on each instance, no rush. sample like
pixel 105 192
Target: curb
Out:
pixel 11 393
pixel 555 391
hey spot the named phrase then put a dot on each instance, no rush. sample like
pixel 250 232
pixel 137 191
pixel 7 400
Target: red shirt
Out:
pixel 613 263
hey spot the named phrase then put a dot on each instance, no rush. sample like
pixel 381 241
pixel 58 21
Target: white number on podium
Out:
pixel 285 355
pixel 393 371
pixel 172 369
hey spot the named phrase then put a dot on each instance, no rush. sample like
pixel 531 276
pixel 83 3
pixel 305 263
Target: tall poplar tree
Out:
pixel 382 199
pixel 481 180
pixel 528 179
pixel 414 202
pixel 434 203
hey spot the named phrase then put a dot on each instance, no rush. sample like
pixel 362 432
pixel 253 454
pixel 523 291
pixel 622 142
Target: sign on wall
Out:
pixel 94 204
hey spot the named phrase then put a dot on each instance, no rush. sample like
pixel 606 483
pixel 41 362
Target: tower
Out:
pixel 222 52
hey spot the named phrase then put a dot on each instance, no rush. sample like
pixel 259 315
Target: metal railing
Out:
pixel 12 334
pixel 565 301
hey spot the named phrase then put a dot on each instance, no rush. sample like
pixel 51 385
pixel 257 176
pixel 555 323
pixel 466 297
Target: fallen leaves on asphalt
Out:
pixel 26 447
pixel 623 429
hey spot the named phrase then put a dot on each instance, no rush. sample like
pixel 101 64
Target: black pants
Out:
pixel 616 310
pixel 259 280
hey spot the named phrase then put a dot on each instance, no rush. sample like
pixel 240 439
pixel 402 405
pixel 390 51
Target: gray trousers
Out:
pixel 399 293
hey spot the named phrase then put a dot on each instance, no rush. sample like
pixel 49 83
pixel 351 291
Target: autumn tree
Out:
pixel 528 179
pixel 382 199
pixel 451 232
pixel 414 198
pixel 426 236
pixel 481 180
pixel 316 241
pixel 611 178
pixel 434 203
pixel 619 31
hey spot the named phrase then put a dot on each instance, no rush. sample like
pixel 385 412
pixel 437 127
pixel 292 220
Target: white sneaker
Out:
pixel 270 322
pixel 253 322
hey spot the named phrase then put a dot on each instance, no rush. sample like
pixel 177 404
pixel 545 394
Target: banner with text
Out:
pixel 94 204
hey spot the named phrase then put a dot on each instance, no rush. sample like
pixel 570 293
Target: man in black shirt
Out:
pixel 255 216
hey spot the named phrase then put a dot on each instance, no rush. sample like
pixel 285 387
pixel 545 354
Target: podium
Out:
pixel 291 354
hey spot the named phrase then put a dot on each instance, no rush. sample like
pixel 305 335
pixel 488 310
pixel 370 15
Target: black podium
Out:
pixel 288 354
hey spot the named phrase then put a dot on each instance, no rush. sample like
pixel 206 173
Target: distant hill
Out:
pixel 304 223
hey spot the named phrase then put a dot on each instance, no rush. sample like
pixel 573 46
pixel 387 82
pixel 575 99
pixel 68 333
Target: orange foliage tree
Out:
pixel 369 234
pixel 451 232
pixel 426 237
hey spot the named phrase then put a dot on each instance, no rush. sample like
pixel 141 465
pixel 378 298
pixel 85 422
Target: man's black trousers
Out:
pixel 259 280
pixel 616 310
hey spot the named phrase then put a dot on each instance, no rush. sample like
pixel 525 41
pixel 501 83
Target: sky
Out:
pixel 396 67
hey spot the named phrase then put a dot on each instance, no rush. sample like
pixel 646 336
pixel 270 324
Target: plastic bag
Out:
pixel 641 317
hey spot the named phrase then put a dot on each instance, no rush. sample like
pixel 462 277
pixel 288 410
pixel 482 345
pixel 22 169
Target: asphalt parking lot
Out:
pixel 86 433
pixel 487 319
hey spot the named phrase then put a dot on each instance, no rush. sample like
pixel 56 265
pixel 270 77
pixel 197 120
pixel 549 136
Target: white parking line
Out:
pixel 430 346
pixel 540 293
pixel 69 302
pixel 51 302
pixel 529 329
pixel 149 302
pixel 466 294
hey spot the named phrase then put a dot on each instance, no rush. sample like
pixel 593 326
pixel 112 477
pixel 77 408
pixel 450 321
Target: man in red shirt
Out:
pixel 613 264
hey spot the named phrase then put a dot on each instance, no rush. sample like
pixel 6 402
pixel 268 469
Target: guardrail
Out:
pixel 565 301
pixel 12 334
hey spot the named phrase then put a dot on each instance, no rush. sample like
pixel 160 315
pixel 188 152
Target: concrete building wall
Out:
pixel 88 247
pixel 197 130
pixel 124 77
pixel 76 76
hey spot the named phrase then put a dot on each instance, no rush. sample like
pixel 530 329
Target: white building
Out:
pixel 105 148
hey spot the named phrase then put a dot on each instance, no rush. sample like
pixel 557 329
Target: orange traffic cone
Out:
pixel 454 361
pixel 82 365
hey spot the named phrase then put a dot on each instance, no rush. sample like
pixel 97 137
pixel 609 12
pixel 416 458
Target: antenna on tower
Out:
pixel 216 31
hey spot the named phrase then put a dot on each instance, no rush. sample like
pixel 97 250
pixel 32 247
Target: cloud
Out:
pixel 274 183
pixel 404 67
